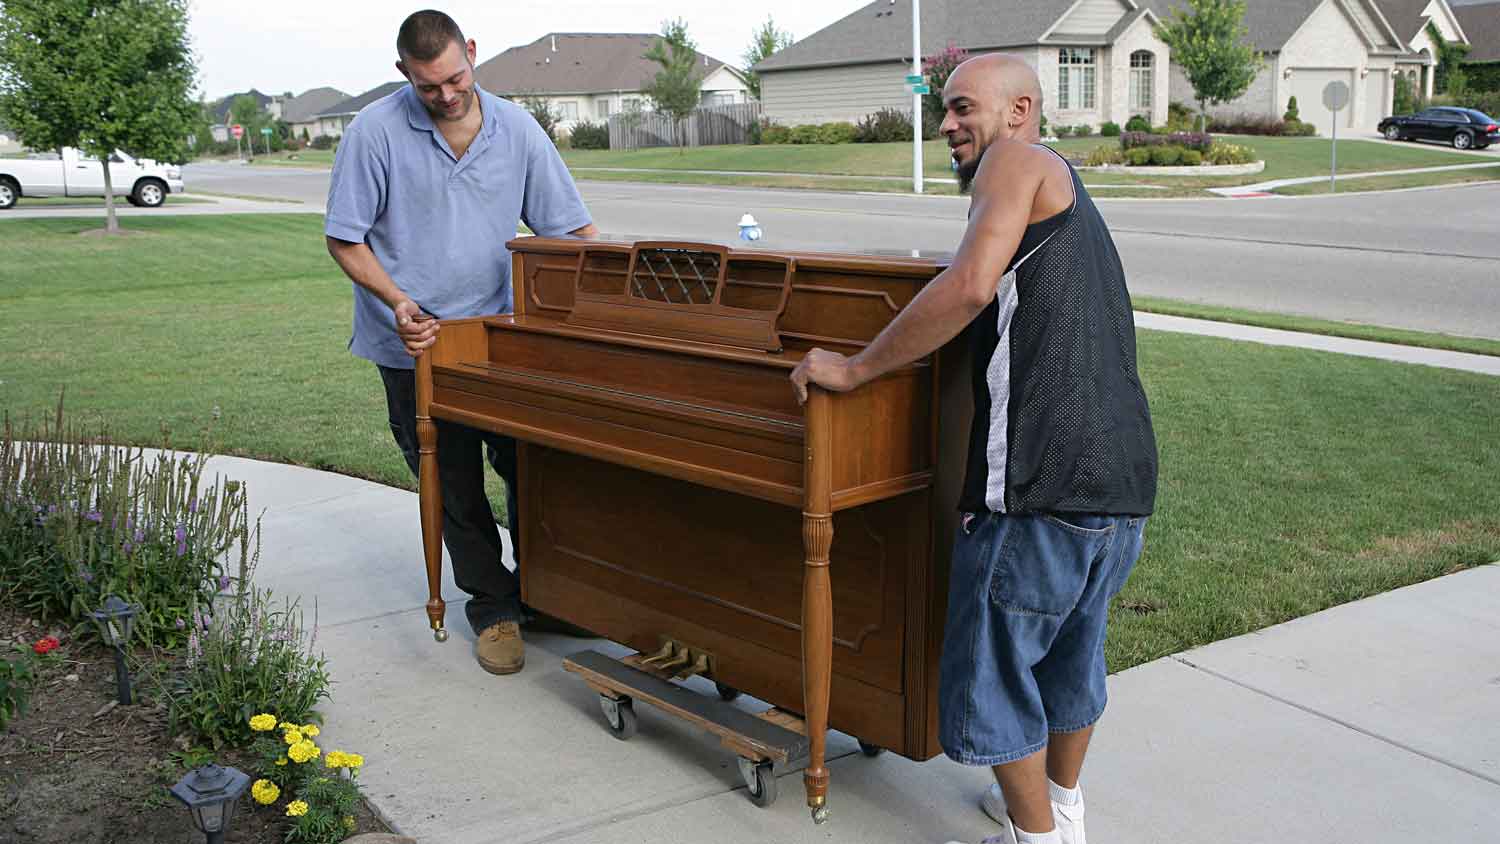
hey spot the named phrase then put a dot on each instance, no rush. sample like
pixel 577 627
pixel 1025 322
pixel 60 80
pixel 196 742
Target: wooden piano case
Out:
pixel 672 488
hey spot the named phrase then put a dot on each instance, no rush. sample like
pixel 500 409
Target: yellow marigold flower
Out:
pixel 303 751
pixel 310 730
pixel 281 761
pixel 334 759
pixel 292 736
pixel 263 722
pixel 353 760
pixel 296 808
pixel 265 792
pixel 349 822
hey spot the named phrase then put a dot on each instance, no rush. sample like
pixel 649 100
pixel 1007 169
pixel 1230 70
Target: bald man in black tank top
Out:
pixel 1062 459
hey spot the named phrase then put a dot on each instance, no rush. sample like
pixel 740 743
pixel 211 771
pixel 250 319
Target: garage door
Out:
pixel 1307 87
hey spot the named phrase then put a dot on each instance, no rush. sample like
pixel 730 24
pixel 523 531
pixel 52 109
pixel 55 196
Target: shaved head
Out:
pixel 990 97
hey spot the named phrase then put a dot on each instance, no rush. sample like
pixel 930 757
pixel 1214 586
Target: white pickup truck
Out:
pixel 72 173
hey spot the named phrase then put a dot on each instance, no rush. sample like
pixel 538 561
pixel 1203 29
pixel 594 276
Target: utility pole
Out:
pixel 916 97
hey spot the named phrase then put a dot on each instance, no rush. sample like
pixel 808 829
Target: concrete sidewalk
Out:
pixel 1370 722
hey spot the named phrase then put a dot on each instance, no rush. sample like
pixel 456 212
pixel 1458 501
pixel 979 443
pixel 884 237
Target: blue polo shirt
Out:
pixel 438 224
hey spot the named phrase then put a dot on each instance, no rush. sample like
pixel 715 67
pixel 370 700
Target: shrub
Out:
pixel 775 133
pixel 542 112
pixel 1083 130
pixel 1104 154
pixel 322 142
pixel 1300 129
pixel 1062 130
pixel 1043 126
pixel 246 655
pixel 1138 156
pixel 1291 115
pixel 1137 123
pixel 1222 153
pixel 1165 156
pixel 885 126
pixel 1180 118
pixel 836 133
pixel 1191 158
pixel 1200 141
pixel 17 679
pixel 588 135
pixel 80 520
pixel 1110 130
pixel 806 134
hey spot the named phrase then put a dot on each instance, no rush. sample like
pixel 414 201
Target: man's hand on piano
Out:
pixel 417 330
pixel 829 370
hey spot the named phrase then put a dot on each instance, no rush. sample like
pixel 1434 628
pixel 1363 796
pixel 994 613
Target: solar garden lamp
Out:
pixel 211 794
pixel 115 620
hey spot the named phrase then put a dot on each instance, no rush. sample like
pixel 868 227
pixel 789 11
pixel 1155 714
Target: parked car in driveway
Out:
pixel 72 173
pixel 1462 127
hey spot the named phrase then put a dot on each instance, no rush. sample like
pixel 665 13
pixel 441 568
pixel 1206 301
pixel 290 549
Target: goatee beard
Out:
pixel 967 171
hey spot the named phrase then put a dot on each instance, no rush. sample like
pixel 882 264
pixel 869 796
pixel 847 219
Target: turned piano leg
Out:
pixel 817 600
pixel 430 494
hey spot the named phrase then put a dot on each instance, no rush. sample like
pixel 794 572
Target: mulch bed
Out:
pixel 76 770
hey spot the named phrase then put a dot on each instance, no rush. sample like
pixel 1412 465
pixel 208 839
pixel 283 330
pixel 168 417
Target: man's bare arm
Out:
pixel 1005 188
pixel 362 267
pixel 589 230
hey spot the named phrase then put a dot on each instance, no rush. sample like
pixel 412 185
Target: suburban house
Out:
pixel 332 120
pixel 219 128
pixel 9 143
pixel 1481 23
pixel 589 76
pixel 300 113
pixel 1098 60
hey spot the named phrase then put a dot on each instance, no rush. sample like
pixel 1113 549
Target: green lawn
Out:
pixel 94 201
pixel 1291 480
pixel 1413 180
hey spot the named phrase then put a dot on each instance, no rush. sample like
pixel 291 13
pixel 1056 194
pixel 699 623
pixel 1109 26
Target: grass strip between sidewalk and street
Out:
pixel 1313 325
pixel 1291 480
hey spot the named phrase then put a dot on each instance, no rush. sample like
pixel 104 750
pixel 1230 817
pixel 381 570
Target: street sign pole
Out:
pixel 1335 97
pixel 916 97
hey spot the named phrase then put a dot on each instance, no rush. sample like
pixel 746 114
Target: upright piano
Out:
pixel 673 493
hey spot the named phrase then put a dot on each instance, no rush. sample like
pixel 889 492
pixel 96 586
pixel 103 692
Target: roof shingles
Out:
pixel 579 63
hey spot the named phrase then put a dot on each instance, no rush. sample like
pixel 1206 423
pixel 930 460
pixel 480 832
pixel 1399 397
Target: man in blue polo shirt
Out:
pixel 428 185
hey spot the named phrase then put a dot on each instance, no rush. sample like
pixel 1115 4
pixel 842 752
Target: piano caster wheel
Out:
pixel 820 815
pixel 440 634
pixel 619 716
pixel 726 693
pixel 760 781
pixel 870 750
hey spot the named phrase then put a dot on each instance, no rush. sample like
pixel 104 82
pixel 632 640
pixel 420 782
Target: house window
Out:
pixel 718 98
pixel 567 110
pixel 1142 80
pixel 601 107
pixel 1075 78
pixel 631 104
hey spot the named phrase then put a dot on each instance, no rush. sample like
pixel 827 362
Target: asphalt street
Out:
pixel 1426 260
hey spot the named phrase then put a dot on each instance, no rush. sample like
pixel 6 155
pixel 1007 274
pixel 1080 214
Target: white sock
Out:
pixel 1064 796
pixel 1051 836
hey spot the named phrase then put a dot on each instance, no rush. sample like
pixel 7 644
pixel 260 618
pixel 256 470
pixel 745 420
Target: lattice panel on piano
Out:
pixel 677 276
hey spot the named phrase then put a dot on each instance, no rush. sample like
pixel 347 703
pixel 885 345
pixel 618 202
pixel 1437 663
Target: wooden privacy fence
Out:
pixel 706 126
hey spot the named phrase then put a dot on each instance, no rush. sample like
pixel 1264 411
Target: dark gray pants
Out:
pixel 469 528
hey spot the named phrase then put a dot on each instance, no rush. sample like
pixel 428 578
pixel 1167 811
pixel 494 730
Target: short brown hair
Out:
pixel 426 34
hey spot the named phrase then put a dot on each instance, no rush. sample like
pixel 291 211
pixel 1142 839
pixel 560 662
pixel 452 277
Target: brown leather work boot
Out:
pixel 499 648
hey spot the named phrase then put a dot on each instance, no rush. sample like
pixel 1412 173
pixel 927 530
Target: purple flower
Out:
pixel 181 534
pixel 224 582
pixel 126 547
pixel 85 575
pixel 140 536
pixel 181 624
pixel 192 505
pixel 94 516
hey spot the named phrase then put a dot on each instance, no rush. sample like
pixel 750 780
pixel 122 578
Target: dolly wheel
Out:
pixel 760 782
pixel 619 715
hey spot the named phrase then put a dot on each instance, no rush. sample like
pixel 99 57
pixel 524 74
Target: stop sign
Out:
pixel 237 130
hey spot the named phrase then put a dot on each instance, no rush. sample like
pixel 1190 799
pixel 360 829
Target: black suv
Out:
pixel 1462 127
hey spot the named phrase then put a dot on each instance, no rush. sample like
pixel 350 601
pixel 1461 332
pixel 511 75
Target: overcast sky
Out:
pixel 293 45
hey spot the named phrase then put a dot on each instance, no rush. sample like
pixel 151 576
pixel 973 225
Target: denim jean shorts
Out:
pixel 1023 651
